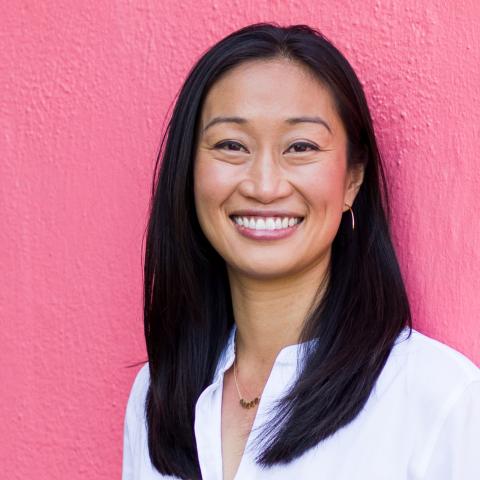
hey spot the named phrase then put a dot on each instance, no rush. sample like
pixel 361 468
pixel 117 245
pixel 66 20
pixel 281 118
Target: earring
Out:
pixel 351 213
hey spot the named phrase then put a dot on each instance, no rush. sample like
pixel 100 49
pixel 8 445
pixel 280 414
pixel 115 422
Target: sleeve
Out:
pixel 131 423
pixel 127 466
pixel 455 454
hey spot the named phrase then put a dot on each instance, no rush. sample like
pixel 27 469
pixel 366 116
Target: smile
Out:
pixel 266 228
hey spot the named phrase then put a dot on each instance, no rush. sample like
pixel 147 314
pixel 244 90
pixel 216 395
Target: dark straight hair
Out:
pixel 188 312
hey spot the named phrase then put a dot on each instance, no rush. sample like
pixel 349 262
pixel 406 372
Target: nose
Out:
pixel 265 180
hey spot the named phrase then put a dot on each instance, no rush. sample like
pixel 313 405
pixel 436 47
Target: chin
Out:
pixel 263 269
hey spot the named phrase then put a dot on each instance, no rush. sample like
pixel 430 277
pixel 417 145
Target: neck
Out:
pixel 270 313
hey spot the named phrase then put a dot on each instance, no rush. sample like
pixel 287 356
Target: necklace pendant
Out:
pixel 250 404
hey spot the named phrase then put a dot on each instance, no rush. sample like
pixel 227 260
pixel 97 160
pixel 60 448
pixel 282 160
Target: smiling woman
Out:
pixel 288 167
pixel 277 325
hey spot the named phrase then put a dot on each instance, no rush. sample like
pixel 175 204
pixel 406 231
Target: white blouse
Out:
pixel 421 422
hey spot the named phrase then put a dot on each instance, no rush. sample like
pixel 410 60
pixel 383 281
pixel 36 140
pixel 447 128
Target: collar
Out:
pixel 288 356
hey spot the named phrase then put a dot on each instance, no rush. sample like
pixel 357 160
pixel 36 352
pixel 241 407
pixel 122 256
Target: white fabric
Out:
pixel 421 422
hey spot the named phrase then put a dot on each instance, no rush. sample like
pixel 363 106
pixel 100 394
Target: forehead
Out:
pixel 271 89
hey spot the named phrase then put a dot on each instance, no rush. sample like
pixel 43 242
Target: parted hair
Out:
pixel 188 311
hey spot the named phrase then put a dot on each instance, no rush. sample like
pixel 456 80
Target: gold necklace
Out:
pixel 243 403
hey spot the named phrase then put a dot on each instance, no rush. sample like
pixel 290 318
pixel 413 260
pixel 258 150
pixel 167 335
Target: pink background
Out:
pixel 85 88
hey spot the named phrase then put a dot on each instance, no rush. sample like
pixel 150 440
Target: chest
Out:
pixel 236 425
pixel 380 443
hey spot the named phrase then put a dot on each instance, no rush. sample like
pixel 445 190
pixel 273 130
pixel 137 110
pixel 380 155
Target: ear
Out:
pixel 353 182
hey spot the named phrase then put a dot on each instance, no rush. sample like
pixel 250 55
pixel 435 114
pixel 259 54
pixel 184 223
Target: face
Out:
pixel 270 172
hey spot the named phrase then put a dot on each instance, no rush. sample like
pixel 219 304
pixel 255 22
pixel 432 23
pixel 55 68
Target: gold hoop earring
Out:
pixel 351 213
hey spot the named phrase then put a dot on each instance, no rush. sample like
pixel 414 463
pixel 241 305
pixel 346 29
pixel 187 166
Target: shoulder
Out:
pixel 424 373
pixel 425 379
pixel 439 394
pixel 138 393
pixel 426 397
pixel 433 363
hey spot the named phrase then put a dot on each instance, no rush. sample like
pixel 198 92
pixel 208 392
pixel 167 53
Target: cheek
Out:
pixel 212 184
pixel 324 187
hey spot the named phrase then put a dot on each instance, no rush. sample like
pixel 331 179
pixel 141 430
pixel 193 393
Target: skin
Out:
pixel 267 165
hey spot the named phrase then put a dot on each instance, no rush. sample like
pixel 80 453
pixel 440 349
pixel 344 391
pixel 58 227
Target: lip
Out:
pixel 266 234
pixel 264 213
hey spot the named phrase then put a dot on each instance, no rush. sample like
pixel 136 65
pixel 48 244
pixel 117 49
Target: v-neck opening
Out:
pixel 284 370
pixel 285 358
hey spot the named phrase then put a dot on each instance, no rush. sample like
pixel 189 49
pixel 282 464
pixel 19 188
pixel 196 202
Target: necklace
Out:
pixel 243 403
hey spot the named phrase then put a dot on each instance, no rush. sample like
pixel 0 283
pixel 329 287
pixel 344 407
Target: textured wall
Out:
pixel 85 87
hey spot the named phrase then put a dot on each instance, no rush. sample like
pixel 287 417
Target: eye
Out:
pixel 302 147
pixel 230 145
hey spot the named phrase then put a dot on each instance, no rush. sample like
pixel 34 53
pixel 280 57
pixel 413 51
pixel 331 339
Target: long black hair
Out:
pixel 188 312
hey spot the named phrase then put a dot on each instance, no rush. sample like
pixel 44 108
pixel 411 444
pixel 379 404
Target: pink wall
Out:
pixel 85 87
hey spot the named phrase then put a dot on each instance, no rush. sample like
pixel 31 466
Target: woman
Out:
pixel 277 325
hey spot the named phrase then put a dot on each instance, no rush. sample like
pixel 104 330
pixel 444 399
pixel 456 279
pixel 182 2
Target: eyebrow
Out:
pixel 318 120
pixel 290 121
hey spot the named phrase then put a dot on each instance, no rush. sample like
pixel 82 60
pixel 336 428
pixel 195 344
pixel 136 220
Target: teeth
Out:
pixel 267 223
pixel 260 224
